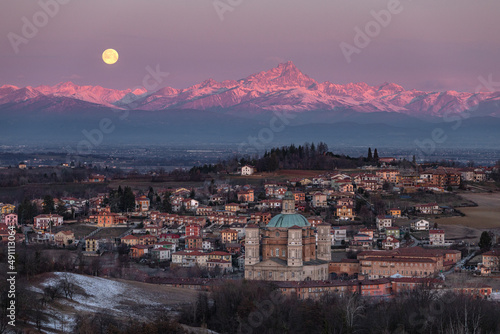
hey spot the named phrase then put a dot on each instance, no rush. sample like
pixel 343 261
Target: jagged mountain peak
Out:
pixel 285 75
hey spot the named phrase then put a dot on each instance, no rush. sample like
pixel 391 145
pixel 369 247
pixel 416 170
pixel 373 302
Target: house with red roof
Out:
pixel 436 237
pixel 43 221
pixel 142 204
pixel 390 243
pixel 138 251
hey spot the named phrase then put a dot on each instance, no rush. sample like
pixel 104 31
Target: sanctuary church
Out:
pixel 285 250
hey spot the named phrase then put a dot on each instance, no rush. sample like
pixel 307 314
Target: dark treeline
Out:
pixel 13 177
pixel 121 200
pixel 103 323
pixel 254 307
pixel 307 157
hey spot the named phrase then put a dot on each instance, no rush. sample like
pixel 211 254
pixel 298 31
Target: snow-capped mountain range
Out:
pixel 284 88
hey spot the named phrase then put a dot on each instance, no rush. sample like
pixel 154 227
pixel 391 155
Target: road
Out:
pixel 416 242
pixel 460 263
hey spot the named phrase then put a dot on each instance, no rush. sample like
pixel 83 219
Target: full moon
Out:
pixel 110 56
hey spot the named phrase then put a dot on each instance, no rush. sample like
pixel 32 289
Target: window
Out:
pixel 283 253
pixel 277 252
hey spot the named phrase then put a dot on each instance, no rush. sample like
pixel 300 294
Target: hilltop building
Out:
pixel 285 250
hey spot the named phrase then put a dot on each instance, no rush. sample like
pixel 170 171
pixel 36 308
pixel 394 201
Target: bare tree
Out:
pixel 353 309
pixel 67 285
pixel 96 266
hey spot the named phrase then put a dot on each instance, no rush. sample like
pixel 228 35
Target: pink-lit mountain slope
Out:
pixel 92 94
pixel 284 87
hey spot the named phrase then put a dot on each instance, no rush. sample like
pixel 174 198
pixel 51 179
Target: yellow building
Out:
pixel 91 244
pixel 229 236
pixel 345 211
pixel 64 238
pixel 395 213
pixel 7 208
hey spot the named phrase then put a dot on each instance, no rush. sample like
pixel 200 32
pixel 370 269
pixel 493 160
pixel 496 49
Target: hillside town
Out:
pixel 371 230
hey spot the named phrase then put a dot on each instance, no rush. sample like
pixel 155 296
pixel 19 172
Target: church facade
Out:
pixel 285 250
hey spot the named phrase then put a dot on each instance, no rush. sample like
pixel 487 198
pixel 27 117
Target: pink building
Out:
pixel 10 219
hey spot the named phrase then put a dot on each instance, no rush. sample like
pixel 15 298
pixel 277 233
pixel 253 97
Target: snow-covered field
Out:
pixel 101 293
pixel 118 298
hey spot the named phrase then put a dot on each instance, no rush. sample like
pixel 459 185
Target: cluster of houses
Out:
pixel 181 240
pixel 209 229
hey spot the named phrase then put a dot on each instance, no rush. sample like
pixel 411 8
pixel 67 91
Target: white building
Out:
pixel 339 234
pixel 436 237
pixel 43 221
pixel 208 245
pixel 161 254
pixel 247 170
pixel 383 222
pixel 390 243
pixel 420 225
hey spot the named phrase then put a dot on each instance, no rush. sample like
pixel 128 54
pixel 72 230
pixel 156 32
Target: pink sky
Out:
pixel 428 45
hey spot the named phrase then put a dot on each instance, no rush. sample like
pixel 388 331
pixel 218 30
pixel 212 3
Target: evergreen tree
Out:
pixel 485 241
pixel 151 195
pixel 26 211
pixel 61 210
pixel 48 204
pixel 211 188
pixel 127 200
pixel 166 205
pixel 375 155
pixel 370 157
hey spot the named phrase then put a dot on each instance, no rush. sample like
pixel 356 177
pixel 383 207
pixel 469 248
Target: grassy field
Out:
pixel 111 232
pixel 484 216
pixel 442 199
pixel 79 230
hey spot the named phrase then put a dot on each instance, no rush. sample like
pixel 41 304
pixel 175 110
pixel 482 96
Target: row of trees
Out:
pixel 121 200
pixel 373 157
pixel 307 156
pixel 27 210
pixel 254 307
